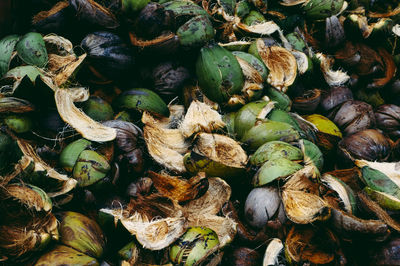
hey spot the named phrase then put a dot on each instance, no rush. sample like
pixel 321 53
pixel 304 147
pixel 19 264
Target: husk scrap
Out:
pixel 166 144
pixel 86 126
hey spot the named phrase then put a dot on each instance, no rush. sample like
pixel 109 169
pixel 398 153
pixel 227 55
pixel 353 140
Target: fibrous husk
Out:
pixel 30 196
pixel 293 2
pixel 30 156
pixel 200 117
pixel 165 141
pixel 156 234
pixel 179 189
pixel 266 28
pixel 333 78
pixel 86 126
pixel 221 149
pixel 281 64
pixel 301 200
pixel 272 252
pixel 396 29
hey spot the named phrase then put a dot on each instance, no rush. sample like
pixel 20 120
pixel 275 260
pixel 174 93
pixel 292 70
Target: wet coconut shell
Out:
pixel 334 97
pixel 368 144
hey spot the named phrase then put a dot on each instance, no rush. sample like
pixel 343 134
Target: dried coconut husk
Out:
pixel 159 233
pixel 253 79
pixel 392 170
pixel 333 78
pixel 15 105
pixel 396 30
pixel 30 156
pixel 392 13
pixel 282 65
pixel 22 164
pixel 293 2
pixel 86 126
pixel 221 149
pixel 200 117
pixel 179 189
pixel 311 245
pixel 301 198
pixel 165 142
pixel 34 199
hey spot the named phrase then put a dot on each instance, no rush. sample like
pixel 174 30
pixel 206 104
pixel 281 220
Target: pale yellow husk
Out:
pixel 333 78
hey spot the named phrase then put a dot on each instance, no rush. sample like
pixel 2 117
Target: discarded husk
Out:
pixel 217 155
pixel 273 169
pixel 384 200
pixel 301 200
pixel 273 251
pixel 348 225
pixel 63 255
pixel 200 117
pixel 282 101
pixel 275 149
pixel 389 169
pixel 156 234
pixel 312 154
pixel 129 253
pixel 39 165
pixel 62 67
pixel 7 45
pixel 309 244
pixel 70 153
pixel 269 131
pixel 177 188
pixel 193 246
pixel 90 168
pixel 90 11
pixel 292 2
pixel 254 63
pixel 30 196
pixel 81 233
pixel 281 64
pixel 333 78
pixel 86 126
pixel 15 105
pixel 344 192
pixel 165 144
pixel 265 28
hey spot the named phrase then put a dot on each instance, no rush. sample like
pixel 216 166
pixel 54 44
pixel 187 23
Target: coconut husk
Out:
pixel 392 170
pixel 300 198
pixel 159 232
pixel 266 28
pixel 30 156
pixel 62 67
pixel 281 63
pixel 221 149
pixel 333 78
pixel 302 61
pixel 165 141
pixel 179 189
pixel 200 117
pixel 396 30
pixel 86 126
pixel 28 197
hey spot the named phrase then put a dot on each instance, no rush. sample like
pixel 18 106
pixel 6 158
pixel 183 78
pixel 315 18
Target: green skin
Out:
pixel 32 49
pixel 19 72
pixel 198 241
pixel 274 169
pixel 7 45
pixel 254 17
pixel 195 163
pixel 312 154
pixel 385 200
pixel 19 124
pixel 219 73
pixel 142 99
pixel 229 120
pixel 275 149
pixel 81 233
pixel 70 153
pixel 90 168
pixel 378 181
pixel 133 6
pixel 246 117
pixel 321 9
pixel 283 101
pixel 98 109
pixel 242 9
pixel 269 131
pixel 296 41
pixel 63 255
pixel 196 32
pixel 184 8
pixel 126 252
pixel 254 62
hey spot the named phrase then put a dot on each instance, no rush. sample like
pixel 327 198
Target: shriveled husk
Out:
pixel 344 192
pixel 66 184
pixel 86 126
pixel 350 226
pixel 31 196
pixel 216 155
pixel 156 234
pixel 301 200
pixel 200 117
pixel 63 255
pixel 308 244
pixel 281 64
pixel 165 142
pixel 333 78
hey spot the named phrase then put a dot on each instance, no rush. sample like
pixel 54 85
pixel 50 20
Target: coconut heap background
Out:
pixel 214 132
